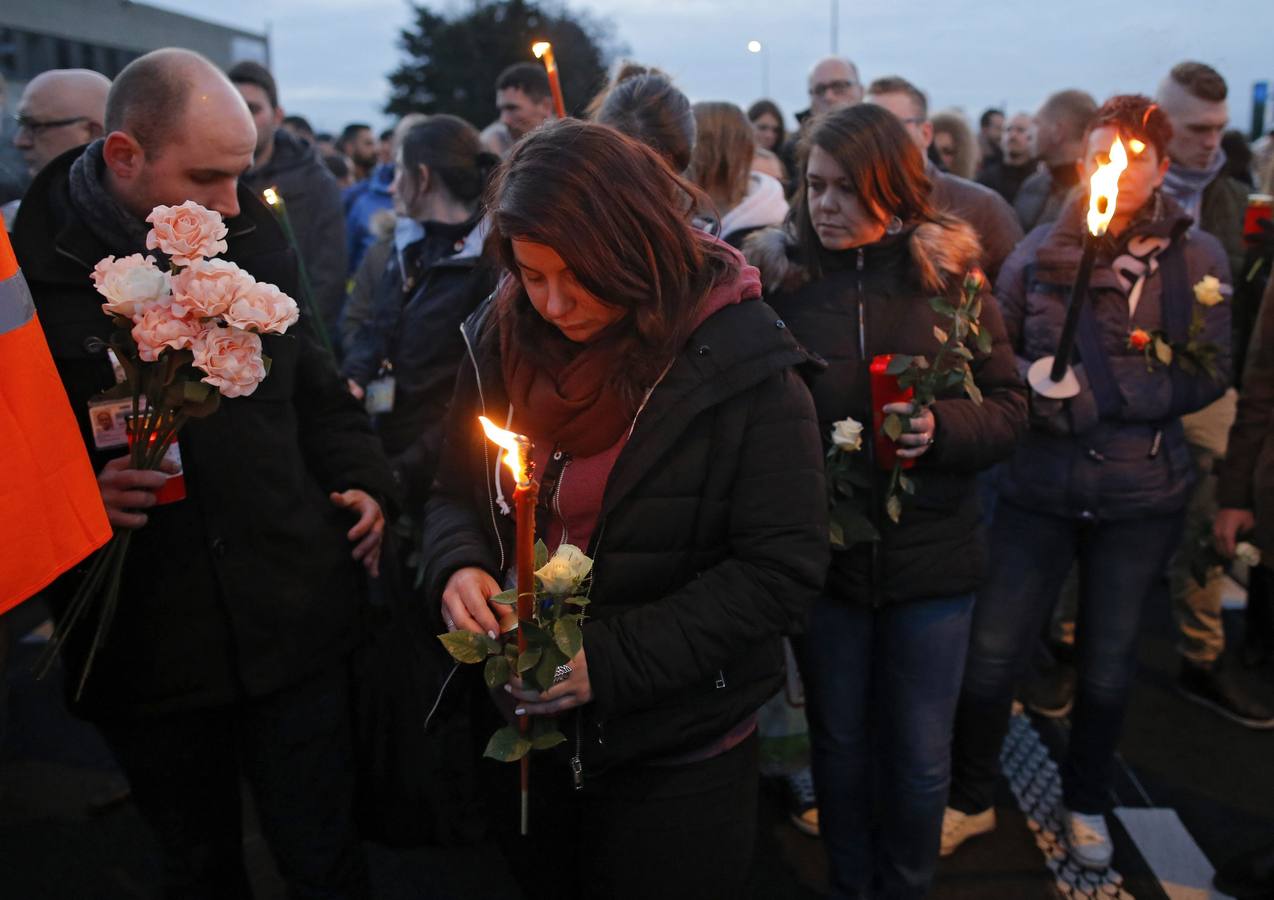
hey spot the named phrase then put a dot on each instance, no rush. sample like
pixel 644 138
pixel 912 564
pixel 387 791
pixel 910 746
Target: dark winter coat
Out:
pixel 1005 178
pixel 1247 473
pixel 247 585
pixel 313 202
pixel 414 334
pixel 938 549
pixel 1133 463
pixel 711 542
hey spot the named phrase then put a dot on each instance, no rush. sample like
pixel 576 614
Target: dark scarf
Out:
pixel 119 230
pixel 572 403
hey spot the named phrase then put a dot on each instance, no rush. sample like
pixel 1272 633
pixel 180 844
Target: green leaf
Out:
pixel 893 427
pixel 941 335
pixel 465 646
pixel 908 485
pixel 506 598
pixel 507 745
pixel 541 677
pixel 836 534
pixel 1163 351
pixel 535 635
pixel 568 637
pixel 496 671
pixel 984 340
pixel 971 388
pixel 528 659
pixel 898 364
pixel 547 740
pixel 941 306
pixel 541 554
pixel 893 508
pixel 578 601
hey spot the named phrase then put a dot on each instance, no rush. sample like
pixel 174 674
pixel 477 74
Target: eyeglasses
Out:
pixel 832 87
pixel 35 126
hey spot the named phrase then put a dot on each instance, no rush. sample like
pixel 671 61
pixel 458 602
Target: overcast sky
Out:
pixel 331 56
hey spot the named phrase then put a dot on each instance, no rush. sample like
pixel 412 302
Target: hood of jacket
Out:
pixel 763 205
pixel 941 253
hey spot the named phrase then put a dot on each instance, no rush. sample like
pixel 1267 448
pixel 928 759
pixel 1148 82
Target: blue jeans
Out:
pixel 882 685
pixel 1120 565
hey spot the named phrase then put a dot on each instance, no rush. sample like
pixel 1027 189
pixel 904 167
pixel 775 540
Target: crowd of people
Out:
pixel 684 305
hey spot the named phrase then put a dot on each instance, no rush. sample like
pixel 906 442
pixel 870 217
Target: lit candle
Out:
pixel 544 50
pixel 275 201
pixel 1051 376
pixel 526 491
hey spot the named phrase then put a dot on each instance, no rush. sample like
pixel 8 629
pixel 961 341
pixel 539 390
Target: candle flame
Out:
pixel 513 448
pixel 1137 147
pixel 539 49
pixel 1104 189
pixel 271 196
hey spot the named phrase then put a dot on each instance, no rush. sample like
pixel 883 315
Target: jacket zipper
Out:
pixel 871 445
pixel 486 453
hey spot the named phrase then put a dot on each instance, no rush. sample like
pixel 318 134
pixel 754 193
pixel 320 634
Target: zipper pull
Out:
pixel 860 259
pixel 1156 444
pixel 577 773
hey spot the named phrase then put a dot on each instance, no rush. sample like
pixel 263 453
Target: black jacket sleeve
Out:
pixel 779 553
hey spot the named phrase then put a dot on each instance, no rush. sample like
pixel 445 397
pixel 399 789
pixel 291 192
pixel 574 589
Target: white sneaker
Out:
pixel 1089 839
pixel 958 827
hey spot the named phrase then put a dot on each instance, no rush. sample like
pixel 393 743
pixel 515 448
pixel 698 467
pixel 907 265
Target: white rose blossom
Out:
pixel 1210 291
pixel 1247 554
pixel 847 435
pixel 562 575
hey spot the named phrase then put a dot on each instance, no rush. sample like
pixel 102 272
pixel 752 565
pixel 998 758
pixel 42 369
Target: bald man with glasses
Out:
pixel 59 110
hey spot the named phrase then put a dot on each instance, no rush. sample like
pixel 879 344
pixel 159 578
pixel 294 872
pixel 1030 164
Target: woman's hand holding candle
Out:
pixel 466 602
pixel 918 438
pixel 575 690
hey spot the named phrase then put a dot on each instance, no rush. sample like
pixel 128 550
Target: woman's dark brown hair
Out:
pixel 616 214
pixel 723 153
pixel 884 167
pixel 1134 116
pixel 452 151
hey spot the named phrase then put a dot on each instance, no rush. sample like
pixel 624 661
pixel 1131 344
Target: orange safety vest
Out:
pixel 51 513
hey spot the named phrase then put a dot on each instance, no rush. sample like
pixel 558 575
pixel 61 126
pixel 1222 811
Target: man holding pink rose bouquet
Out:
pixel 238 604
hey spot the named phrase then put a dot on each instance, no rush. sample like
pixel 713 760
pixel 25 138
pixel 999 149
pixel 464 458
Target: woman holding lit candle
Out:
pixel 853 275
pixel 1102 478
pixel 674 443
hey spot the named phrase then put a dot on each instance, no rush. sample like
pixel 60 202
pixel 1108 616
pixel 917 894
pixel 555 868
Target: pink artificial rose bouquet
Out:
pixel 186 337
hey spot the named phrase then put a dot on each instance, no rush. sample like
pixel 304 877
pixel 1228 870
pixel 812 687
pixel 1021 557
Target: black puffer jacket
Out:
pixel 247 585
pixel 939 548
pixel 415 333
pixel 711 542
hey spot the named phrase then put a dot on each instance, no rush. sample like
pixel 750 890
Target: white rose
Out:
pixel 1247 554
pixel 847 435
pixel 561 575
pixel 130 284
pixel 1209 291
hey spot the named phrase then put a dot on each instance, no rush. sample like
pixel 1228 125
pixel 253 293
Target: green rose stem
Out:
pixel 274 200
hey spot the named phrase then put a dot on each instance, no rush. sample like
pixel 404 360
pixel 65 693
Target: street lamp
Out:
pixel 755 47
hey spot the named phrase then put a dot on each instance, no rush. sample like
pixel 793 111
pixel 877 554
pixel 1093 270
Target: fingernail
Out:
pixel 519 711
pixel 491 634
pixel 508 689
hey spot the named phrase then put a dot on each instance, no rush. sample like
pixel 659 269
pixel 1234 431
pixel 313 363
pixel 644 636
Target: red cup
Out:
pixel 1260 208
pixel 885 390
pixel 174 488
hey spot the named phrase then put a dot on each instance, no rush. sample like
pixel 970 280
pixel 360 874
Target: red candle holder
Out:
pixel 174 488
pixel 885 390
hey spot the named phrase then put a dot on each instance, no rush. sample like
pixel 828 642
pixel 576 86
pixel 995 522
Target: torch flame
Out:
pixel 1104 189
pixel 541 48
pixel 512 445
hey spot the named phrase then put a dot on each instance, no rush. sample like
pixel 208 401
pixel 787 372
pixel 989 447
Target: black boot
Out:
pixel 1248 876
pixel 1218 690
